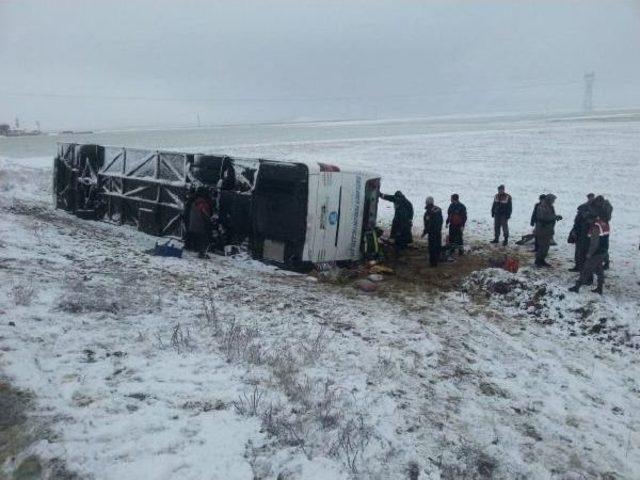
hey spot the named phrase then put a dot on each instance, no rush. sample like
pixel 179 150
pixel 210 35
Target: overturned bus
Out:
pixel 292 214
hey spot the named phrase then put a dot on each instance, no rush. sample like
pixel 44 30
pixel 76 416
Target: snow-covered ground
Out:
pixel 145 367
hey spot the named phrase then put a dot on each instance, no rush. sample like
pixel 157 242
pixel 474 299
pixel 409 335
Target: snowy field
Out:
pixel 145 367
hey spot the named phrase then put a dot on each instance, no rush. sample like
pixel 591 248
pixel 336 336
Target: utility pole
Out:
pixel 587 101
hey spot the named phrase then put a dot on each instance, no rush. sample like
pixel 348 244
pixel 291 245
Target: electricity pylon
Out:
pixel 587 101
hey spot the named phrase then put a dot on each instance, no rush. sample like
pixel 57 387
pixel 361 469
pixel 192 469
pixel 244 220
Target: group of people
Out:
pixel 590 235
pixel 433 220
pixel 590 232
pixel 455 222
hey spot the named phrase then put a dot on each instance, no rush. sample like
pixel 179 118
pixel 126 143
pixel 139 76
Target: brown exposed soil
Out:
pixel 412 273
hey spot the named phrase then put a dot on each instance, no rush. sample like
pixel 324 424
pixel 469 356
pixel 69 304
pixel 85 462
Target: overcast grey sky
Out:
pixel 117 63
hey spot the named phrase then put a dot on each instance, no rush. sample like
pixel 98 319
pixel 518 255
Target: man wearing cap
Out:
pixel 433 229
pixel 546 219
pixel 501 213
pixel 456 220
pixel 533 219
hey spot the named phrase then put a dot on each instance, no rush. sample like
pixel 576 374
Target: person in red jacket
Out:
pixel 501 213
pixel 199 228
pixel 456 220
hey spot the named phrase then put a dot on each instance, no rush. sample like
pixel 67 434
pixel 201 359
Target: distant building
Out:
pixel 7 131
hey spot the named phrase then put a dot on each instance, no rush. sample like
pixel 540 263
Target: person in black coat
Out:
pixel 603 209
pixel 456 220
pixel 402 220
pixel 433 229
pixel 579 234
pixel 534 217
pixel 596 254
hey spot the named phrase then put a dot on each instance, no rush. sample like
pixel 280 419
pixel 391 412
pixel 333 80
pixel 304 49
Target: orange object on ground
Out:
pixel 511 265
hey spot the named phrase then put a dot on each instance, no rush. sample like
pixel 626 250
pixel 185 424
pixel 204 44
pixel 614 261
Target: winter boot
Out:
pixel 598 289
pixel 575 288
pixel 495 240
pixel 505 242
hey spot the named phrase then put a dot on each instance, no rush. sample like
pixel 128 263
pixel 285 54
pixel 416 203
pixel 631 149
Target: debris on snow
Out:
pixel 546 304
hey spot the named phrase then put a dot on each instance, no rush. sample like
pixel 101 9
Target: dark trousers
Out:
pixel 582 246
pixel 501 222
pixel 400 244
pixel 435 245
pixel 199 242
pixel 401 234
pixel 544 242
pixel 593 266
pixel 456 240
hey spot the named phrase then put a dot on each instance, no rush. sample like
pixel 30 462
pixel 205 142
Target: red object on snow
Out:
pixel 511 265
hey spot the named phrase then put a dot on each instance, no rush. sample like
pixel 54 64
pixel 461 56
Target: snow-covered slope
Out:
pixel 144 367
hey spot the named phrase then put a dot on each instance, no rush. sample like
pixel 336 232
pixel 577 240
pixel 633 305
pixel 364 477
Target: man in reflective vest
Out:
pixel 501 213
pixel 596 255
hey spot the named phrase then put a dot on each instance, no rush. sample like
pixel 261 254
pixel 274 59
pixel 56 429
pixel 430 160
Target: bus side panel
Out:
pixel 309 252
pixel 348 241
pixel 328 213
pixel 334 231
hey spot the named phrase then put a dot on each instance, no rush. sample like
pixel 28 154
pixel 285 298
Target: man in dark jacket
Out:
pixel 534 217
pixel 456 220
pixel 603 209
pixel 579 234
pixel 402 220
pixel 546 219
pixel 433 229
pixel 501 213
pixel 596 254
